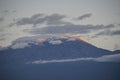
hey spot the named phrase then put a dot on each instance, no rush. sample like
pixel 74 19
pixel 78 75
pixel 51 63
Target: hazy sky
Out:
pixel 96 20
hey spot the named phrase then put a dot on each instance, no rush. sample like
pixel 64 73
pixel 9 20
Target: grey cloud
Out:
pixel 35 19
pixel 83 29
pixel 84 16
pixel 117 32
pixel 57 25
pixel 110 26
pixel 5 14
pixel 1 19
pixel 60 29
pixel 6 11
pixel 9 11
pixel 107 33
pixel 2 39
pixel 2 36
pixel 55 19
pixel 14 11
pixel 116 47
pixel 118 24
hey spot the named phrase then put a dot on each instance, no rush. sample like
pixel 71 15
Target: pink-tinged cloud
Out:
pixel 73 37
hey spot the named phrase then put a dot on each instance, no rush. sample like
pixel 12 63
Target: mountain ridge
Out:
pixel 66 49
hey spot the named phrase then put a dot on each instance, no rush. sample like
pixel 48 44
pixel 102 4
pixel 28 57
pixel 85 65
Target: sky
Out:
pixel 96 20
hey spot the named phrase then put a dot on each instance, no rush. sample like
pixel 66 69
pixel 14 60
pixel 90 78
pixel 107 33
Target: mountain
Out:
pixel 13 60
pixel 51 48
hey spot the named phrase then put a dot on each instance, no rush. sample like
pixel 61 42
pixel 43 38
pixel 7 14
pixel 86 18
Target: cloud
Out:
pixel 6 11
pixel 107 33
pixel 9 11
pixel 56 25
pixel 118 24
pixel 36 40
pixel 116 47
pixel 6 14
pixel 35 19
pixel 84 16
pixel 19 45
pixel 24 42
pixel 53 19
pixel 117 32
pixel 55 42
pixel 60 29
pixel 60 61
pixel 71 28
pixel 107 58
pixel 1 19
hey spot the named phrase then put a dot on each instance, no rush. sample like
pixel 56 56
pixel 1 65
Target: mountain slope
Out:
pixel 50 49
pixel 14 58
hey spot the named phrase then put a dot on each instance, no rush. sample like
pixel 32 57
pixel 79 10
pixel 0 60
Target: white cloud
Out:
pixel 10 34
pixel 61 60
pixel 19 45
pixel 109 58
pixel 106 58
pixel 54 42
